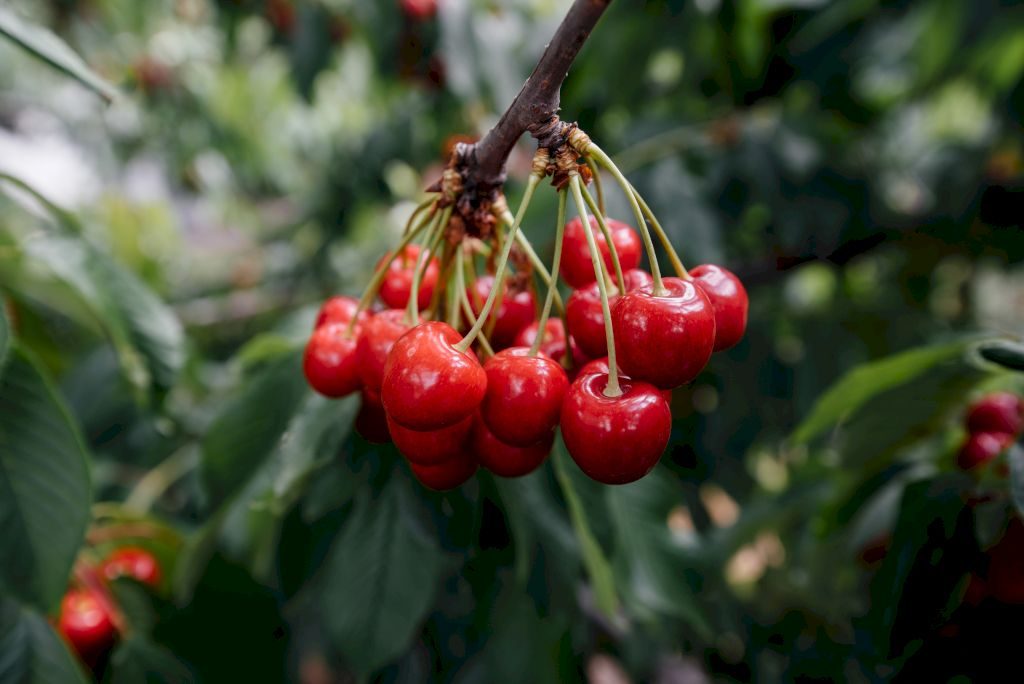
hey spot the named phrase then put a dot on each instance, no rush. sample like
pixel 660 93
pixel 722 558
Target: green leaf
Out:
pixel 381 576
pixel 1004 353
pixel 137 660
pixel 5 335
pixel 44 486
pixel 249 427
pixel 30 651
pixel 45 45
pixel 1016 459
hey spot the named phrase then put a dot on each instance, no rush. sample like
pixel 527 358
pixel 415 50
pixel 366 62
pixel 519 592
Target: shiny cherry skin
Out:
pixel 1001 412
pixel 378 336
pixel 515 310
pixel 982 447
pixel 553 344
pixel 728 298
pixel 135 563
pixel 615 440
pixel 1005 580
pixel 664 339
pixel 506 460
pixel 419 10
pixel 397 284
pixel 585 316
pixel 329 362
pixel 428 383
pixel 86 623
pixel 339 310
pixel 372 421
pixel 524 396
pixel 448 474
pixel 577 268
pixel 600 367
pixel 431 447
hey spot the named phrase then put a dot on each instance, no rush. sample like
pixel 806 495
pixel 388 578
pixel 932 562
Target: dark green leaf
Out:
pixel 44 486
pixel 30 651
pixel 523 642
pixel 380 579
pixel 1004 353
pixel 137 660
pixel 1016 459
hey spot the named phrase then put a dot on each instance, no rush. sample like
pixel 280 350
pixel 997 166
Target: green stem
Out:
pixel 463 299
pixel 553 282
pixel 432 202
pixel 673 256
pixel 430 243
pixel 153 484
pixel 598 185
pixel 534 259
pixel 613 389
pixel 620 281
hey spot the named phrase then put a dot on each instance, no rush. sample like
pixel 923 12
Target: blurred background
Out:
pixel 859 164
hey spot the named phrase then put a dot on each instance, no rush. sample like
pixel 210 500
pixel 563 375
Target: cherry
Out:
pixel 576 266
pixel 86 624
pixel 553 344
pixel 585 315
pixel 371 421
pixel 524 396
pixel 448 474
pixel 506 460
pixel 428 383
pixel 397 284
pixel 378 336
pixel 728 298
pixel 664 339
pixel 329 362
pixel 601 367
pixel 615 440
pixel 419 10
pixel 998 412
pixel 134 562
pixel 982 447
pixel 431 447
pixel 340 310
pixel 1006 565
pixel 515 310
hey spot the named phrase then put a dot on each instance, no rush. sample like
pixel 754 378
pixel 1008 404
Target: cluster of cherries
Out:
pixel 604 375
pixel 993 423
pixel 88 615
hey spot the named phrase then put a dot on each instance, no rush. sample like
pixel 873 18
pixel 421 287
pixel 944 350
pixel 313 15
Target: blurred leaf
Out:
pixel 30 651
pixel 44 486
pixel 380 579
pixel 42 43
pixel 138 660
pixel 1016 460
pixel 5 336
pixel 1004 353
pixel 522 642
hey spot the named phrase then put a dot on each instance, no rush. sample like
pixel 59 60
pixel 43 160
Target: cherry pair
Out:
pixel 993 422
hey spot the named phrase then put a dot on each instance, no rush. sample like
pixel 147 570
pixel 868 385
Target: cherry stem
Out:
pixel 160 478
pixel 499 270
pixel 419 210
pixel 612 389
pixel 553 282
pixel 673 256
pixel 534 259
pixel 598 186
pixel 604 160
pixel 430 244
pixel 620 282
pixel 447 263
pixel 463 299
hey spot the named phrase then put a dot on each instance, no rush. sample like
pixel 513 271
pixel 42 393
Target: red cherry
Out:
pixel 419 10
pixel 447 475
pixel 330 360
pixel 524 396
pixel 428 383
pixel 397 285
pixel 339 310
pixel 131 561
pixel 553 344
pixel 729 299
pixel 600 367
pixel 982 447
pixel 431 447
pixel 998 412
pixel 576 266
pixel 86 624
pixel 1006 565
pixel 506 460
pixel 585 316
pixel 371 421
pixel 378 336
pixel 664 339
pixel 515 310
pixel 615 440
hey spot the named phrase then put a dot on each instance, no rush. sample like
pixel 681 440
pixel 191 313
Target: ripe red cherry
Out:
pixel 431 447
pixel 524 396
pixel 339 310
pixel 600 367
pixel 585 316
pixel 131 561
pixel 419 10
pixel 553 344
pixel 86 624
pixel 329 362
pixel 506 460
pixel 615 440
pixel 729 299
pixel 371 421
pixel 397 284
pixel 378 336
pixel 982 447
pixel 576 266
pixel 515 310
pixel 664 339
pixel 428 383
pixel 448 474
pixel 1006 565
pixel 998 412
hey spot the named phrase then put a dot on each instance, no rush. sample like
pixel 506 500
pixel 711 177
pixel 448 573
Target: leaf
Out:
pixel 137 660
pixel 380 579
pixel 250 425
pixel 5 335
pixel 30 651
pixel 1005 353
pixel 44 486
pixel 1016 459
pixel 45 45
